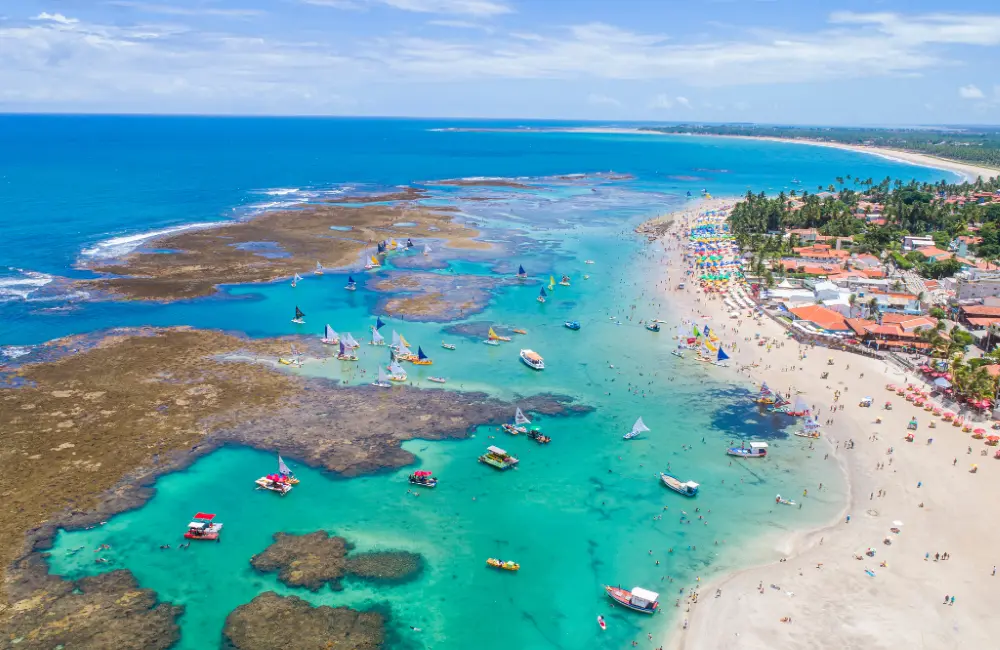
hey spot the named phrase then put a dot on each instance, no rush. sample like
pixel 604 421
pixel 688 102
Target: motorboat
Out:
pixel 572 324
pixel 447 346
pixel 500 564
pixel 203 527
pixel 654 327
pixel 532 359
pixel 753 450
pixel 687 488
pixel 437 380
pixel 423 479
pixel 638 600
pixel 498 458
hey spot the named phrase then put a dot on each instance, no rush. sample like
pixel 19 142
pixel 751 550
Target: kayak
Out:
pixel 600 621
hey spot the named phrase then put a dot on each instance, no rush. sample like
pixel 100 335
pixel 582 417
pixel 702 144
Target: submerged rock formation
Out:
pixel 385 566
pixel 270 621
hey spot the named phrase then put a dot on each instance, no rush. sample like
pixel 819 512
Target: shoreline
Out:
pixel 813 571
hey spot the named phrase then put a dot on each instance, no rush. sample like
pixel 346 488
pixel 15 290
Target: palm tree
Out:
pixel 852 300
pixel 873 309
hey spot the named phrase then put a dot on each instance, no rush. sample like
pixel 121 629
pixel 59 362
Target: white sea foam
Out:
pixel 14 351
pixel 281 191
pixel 118 246
pixel 22 285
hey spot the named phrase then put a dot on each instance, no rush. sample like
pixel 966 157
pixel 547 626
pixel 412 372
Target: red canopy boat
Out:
pixel 639 599
pixel 203 527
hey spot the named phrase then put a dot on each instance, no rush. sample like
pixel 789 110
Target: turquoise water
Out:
pixel 578 513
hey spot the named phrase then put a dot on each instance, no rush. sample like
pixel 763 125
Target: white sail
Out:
pixel 297 278
pixel 377 339
pixel 800 406
pixel 330 334
pixel 520 418
pixel 396 369
pixel 811 425
pixel 403 350
pixel 427 249
pixel 639 426
pixel 349 341
pixel 395 339
pixel 282 468
pixel 382 377
pixel 319 267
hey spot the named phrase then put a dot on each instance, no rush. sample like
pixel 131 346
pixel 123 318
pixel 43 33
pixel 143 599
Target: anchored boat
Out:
pixel 638 600
pixel 447 346
pixel 275 483
pixel 811 429
pixel 396 372
pixel 572 324
pixel 532 359
pixel 300 318
pixel 423 479
pixel 319 269
pixel 500 564
pixel 383 379
pixel 437 380
pixel 755 450
pixel 498 458
pixel 345 353
pixel 330 336
pixel 536 434
pixel 203 528
pixel 377 339
pixel 637 428
pixel 351 284
pixel 520 419
pixel 422 359
pixel 687 488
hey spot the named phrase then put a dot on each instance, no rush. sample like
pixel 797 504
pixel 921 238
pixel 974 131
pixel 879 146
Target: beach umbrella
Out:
pixel 979 430
pixel 993 438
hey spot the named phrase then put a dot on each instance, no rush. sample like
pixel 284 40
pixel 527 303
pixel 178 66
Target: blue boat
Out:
pixel 351 284
pixel 521 273
pixel 541 295
pixel 572 324
pixel 687 488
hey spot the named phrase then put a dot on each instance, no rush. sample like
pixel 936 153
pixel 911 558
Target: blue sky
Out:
pixel 786 61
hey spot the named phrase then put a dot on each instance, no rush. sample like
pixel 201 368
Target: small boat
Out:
pixel 498 458
pixel 755 450
pixel 422 359
pixel 491 342
pixel 532 359
pixel 351 284
pixel 811 429
pixel 564 281
pixel 447 346
pixel 588 261
pixel 345 353
pixel 287 473
pixel 493 336
pixel 275 483
pixel 517 426
pixel 330 336
pixel 637 428
pixel 396 372
pixel 586 277
pixel 319 269
pixel 294 360
pixel 203 528
pixel 437 380
pixel 383 379
pixel 653 327
pixel 500 564
pixel 677 353
pixel 349 341
pixel 300 318
pixel 784 502
pixel 518 330
pixel 572 324
pixel 536 434
pixel 427 249
pixel 377 339
pixel 687 488
pixel 521 273
pixel 601 623
pixel 295 280
pixel 638 600
pixel 423 479
pixel 541 295
pixel 552 282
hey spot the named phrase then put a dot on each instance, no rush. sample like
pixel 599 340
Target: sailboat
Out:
pixel 720 359
pixel 319 269
pixel 287 473
pixel 396 342
pixel 541 295
pixel 351 284
pixel 383 379
pixel 374 262
pixel 405 354
pixel 349 341
pixel 296 279
pixel 422 359
pixel 377 339
pixel 330 337
pixel 345 353
pixel 402 339
pixel 396 372
pixel 552 282
pixel 637 428
pixel 811 429
pixel 300 318
pixel 493 336
pixel 520 419
pixel 427 249
pixel 378 323
pixel 521 273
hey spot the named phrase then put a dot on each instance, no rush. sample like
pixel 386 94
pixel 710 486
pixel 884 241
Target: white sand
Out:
pixel 837 605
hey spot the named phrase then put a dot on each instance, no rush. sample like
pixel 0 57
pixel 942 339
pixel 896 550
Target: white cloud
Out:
pixel 484 8
pixel 970 92
pixel 170 10
pixel 55 18
pixel 683 101
pixel 602 100
pixel 460 24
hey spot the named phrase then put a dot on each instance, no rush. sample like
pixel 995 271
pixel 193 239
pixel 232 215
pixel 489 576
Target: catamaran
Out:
pixel 498 458
pixel 274 483
pixel 541 295
pixel 330 336
pixel 300 318
pixel 811 429
pixel 422 359
pixel 532 359
pixel 345 353
pixel 637 428
pixel 383 379
pixel 377 339
pixel 521 273
pixel 351 284
pixel 396 372
pixel 687 488
pixel 319 269
pixel 520 419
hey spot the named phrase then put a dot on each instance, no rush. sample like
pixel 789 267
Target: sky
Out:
pixel 851 62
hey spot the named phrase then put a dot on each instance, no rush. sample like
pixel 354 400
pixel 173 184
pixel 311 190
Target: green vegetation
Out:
pixel 979 145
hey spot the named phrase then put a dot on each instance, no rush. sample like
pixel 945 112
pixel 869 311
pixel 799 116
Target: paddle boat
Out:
pixel 572 324
pixel 532 359
pixel 564 281
pixel 423 479
pixel 447 346
pixel 754 450
pixel 300 318
pixel 654 327
pixel 274 483
pixel 637 428
pixel 687 488
pixel 638 600
pixel 498 458
pixel 203 528
pixel 500 564
pixel 351 284
pixel 784 502
pixel 437 380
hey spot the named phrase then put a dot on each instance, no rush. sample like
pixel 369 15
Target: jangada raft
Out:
pixel 516 427
pixel 754 450
pixel 638 600
pixel 498 458
pixel 637 428
pixel 423 479
pixel 203 528
pixel 500 564
pixel 811 429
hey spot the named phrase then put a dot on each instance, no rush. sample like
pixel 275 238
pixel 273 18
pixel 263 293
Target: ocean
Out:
pixel 581 512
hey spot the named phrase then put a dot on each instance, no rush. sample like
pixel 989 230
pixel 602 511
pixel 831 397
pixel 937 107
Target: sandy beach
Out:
pixel 814 593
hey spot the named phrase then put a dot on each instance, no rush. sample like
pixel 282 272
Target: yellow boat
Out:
pixel 519 331
pixel 506 566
